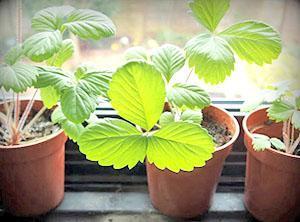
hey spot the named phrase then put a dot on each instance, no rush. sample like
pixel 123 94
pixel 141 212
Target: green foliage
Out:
pixel 113 142
pixel 166 118
pixel 187 95
pixel 77 93
pixel 42 45
pixel 297 101
pixel 49 96
pixel 277 143
pixel 211 54
pixel 71 129
pixel 65 52
pixel 17 77
pixel 296 119
pixel 89 24
pixel 137 92
pixel 253 41
pixel 192 116
pixel 168 59
pixel 177 146
pixel 261 142
pixel 280 110
pixel 13 55
pixel 51 18
pixel 209 12
pixel 136 53
pixel 180 146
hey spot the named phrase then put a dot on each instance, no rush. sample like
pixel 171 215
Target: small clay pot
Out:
pixel 32 175
pixel 189 194
pixel 272 186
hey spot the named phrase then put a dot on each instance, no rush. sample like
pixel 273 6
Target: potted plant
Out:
pixel 163 120
pixel 32 148
pixel 272 139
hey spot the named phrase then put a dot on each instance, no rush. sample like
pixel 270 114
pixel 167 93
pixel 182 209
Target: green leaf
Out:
pixel 260 142
pixel 72 130
pixel 53 76
pixel 192 116
pixel 187 95
pixel 296 119
pixel 89 24
pixel 166 118
pixel 13 55
pixel 209 12
pixel 277 144
pixel 180 146
pixel 113 142
pixel 137 92
pixel 77 104
pixel 17 77
pixel 65 52
pixel 253 41
pixel 252 103
pixel 42 45
pixel 94 81
pixel 297 102
pixel 168 59
pixel 51 18
pixel 49 96
pixel 280 110
pixel 211 56
pixel 136 53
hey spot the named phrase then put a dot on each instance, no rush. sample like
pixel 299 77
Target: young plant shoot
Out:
pixel 77 92
pixel 284 108
pixel 165 119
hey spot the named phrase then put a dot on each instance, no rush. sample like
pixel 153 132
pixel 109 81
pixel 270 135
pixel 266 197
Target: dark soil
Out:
pixel 220 132
pixel 42 127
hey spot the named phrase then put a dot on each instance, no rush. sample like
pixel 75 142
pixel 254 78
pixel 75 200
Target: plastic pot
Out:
pixel 189 194
pixel 272 190
pixel 32 175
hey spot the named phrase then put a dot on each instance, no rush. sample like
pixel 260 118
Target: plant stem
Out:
pixel 284 135
pixel 189 75
pixel 294 146
pixel 157 125
pixel 35 118
pixel 289 132
pixel 27 111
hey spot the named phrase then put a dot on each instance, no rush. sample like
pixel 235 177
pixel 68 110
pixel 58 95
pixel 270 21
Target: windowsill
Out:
pixel 113 206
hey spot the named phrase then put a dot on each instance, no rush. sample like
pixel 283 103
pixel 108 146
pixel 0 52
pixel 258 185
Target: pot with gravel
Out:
pixel 31 142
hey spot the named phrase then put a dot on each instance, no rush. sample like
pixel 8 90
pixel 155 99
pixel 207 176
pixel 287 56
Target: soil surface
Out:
pixel 220 132
pixel 42 127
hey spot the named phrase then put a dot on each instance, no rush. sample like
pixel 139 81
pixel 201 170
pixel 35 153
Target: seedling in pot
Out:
pixel 77 92
pixel 165 119
pixel 285 108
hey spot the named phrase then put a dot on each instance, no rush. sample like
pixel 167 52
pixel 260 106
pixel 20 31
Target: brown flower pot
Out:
pixel 272 188
pixel 32 175
pixel 189 194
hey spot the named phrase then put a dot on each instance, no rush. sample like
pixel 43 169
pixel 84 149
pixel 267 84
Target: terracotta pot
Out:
pixel 189 194
pixel 272 187
pixel 32 175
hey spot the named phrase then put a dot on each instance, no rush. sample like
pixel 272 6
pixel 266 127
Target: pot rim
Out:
pixel 34 141
pixel 237 129
pixel 249 134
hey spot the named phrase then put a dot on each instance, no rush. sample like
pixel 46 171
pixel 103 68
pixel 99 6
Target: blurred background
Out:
pixel 151 23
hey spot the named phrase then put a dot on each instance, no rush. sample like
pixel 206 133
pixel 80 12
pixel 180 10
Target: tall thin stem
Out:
pixel 35 118
pixel 27 111
pixel 189 75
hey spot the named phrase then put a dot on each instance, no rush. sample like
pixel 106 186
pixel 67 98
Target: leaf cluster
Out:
pixel 211 54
